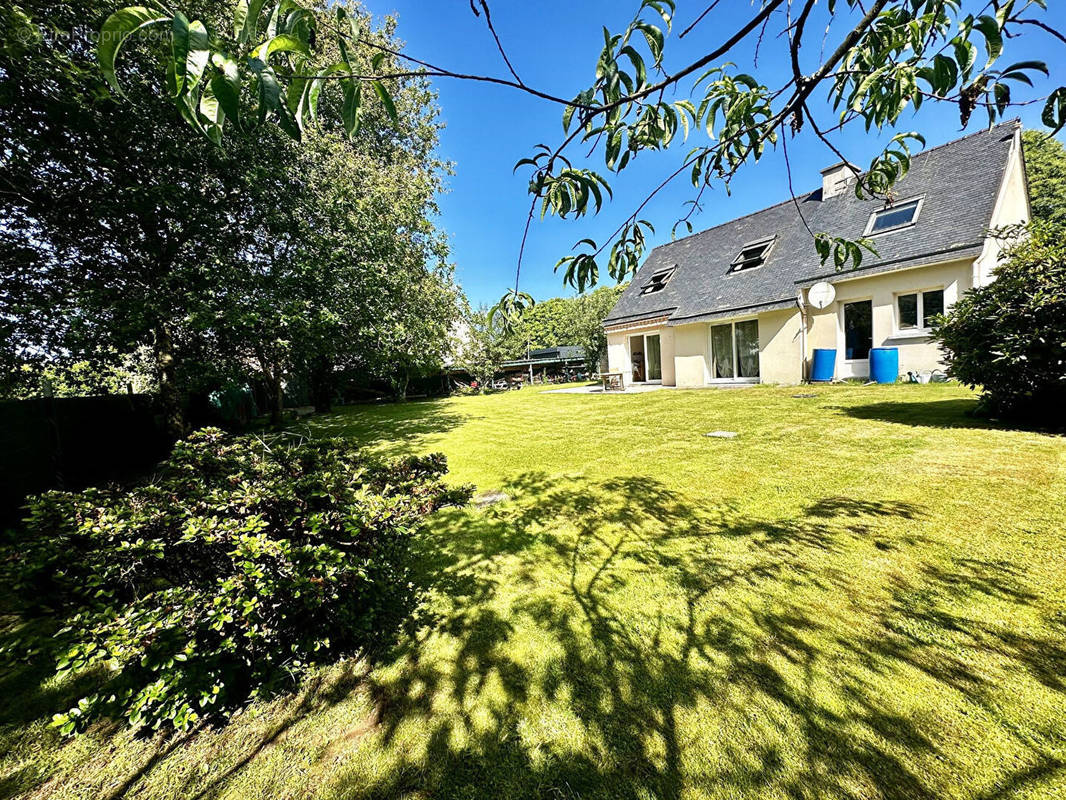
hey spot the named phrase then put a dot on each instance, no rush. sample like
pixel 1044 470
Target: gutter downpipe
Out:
pixel 803 335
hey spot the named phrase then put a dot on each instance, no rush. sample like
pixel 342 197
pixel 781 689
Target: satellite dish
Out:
pixel 821 294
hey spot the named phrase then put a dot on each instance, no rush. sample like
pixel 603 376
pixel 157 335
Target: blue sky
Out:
pixel 554 45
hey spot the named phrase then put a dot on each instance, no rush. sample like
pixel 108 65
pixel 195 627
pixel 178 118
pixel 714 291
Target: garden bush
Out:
pixel 1009 336
pixel 238 566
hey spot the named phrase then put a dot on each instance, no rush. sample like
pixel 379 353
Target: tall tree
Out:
pixel 1045 163
pixel 114 219
pixel 252 254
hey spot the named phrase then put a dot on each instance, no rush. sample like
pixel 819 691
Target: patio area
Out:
pixel 641 388
pixel 596 388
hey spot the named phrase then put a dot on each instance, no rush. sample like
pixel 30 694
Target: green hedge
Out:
pixel 240 565
pixel 1009 336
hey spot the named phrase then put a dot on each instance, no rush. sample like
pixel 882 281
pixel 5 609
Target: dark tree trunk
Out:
pixel 322 387
pixel 170 399
pixel 399 384
pixel 277 398
pixel 275 392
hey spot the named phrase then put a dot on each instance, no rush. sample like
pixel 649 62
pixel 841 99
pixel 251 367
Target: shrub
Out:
pixel 1009 337
pixel 240 565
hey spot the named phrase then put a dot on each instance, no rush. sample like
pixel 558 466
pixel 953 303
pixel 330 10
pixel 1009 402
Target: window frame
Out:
pixel 918 202
pixel 768 244
pixel 920 329
pixel 732 323
pixel 647 289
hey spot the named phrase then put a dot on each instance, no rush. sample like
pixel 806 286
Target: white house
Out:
pixel 732 304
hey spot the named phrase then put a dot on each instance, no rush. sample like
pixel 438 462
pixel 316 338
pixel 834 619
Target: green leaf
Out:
pixel 116 29
pixel 386 100
pixel 353 94
pixel 989 27
pixel 318 84
pixel 246 19
pixel 1054 113
pixel 212 111
pixel 282 43
pixel 1002 95
pixel 198 56
pixel 226 86
pixel 179 50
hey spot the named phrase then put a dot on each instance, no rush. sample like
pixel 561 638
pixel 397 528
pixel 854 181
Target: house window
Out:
pixel 858 330
pixel 658 281
pixel 916 310
pixel 752 255
pixel 900 215
pixel 735 351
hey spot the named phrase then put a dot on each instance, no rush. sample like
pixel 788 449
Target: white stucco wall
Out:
pixel 617 356
pixel 916 352
pixel 780 347
pixel 1012 208
pixel 691 345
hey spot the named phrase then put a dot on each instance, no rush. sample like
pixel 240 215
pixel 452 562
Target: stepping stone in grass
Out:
pixel 803 396
pixel 490 499
pixel 722 434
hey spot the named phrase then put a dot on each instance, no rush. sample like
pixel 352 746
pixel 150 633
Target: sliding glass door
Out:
pixel 654 357
pixel 645 352
pixel 722 353
pixel 746 336
pixel 735 351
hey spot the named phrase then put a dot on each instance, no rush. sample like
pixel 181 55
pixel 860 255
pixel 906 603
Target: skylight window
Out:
pixel 894 217
pixel 752 255
pixel 658 281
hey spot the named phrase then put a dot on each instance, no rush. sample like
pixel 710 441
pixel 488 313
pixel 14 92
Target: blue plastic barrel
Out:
pixel 884 364
pixel 823 365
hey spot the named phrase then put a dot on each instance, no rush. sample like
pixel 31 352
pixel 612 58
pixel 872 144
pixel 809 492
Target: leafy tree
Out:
pixel 875 60
pixel 110 238
pixel 483 346
pixel 256 254
pixel 592 309
pixel 565 321
pixel 1045 162
pixel 545 324
pixel 1009 336
pixel 414 339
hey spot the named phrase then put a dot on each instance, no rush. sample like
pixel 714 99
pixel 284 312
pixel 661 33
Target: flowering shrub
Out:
pixel 243 563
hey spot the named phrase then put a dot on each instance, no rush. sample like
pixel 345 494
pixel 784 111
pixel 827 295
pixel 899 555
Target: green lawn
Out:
pixel 862 595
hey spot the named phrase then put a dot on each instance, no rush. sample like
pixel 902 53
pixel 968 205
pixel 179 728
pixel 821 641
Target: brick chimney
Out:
pixel 835 179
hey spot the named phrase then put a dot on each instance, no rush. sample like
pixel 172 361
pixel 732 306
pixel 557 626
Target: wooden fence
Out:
pixel 74 442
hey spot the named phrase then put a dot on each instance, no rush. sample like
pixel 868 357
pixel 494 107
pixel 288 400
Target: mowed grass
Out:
pixel 862 595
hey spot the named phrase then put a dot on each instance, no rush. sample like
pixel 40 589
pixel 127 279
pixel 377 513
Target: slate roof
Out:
pixel 959 182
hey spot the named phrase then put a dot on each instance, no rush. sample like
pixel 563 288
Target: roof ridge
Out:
pixel 1014 122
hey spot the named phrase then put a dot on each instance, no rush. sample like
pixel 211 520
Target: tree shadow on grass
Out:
pixel 954 413
pixel 607 639
pixel 392 428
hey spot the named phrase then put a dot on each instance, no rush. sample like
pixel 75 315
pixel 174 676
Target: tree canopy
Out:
pixel 565 321
pixel 1045 163
pixel 253 255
